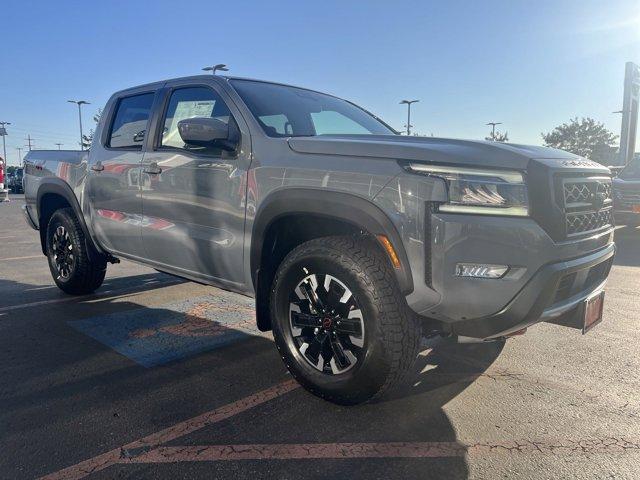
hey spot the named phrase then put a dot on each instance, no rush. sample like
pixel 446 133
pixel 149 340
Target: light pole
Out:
pixel 220 66
pixel 19 154
pixel 59 145
pixel 408 104
pixel 3 133
pixel 493 129
pixel 80 103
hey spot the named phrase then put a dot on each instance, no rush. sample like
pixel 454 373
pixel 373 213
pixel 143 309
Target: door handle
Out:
pixel 152 169
pixel 97 167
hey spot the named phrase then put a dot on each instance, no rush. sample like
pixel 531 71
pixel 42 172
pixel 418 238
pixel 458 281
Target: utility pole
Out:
pixel 59 145
pixel 19 154
pixel 3 133
pixel 29 142
pixel 408 104
pixel 80 103
pixel 493 129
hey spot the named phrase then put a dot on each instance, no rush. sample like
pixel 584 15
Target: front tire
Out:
pixel 340 321
pixel 69 262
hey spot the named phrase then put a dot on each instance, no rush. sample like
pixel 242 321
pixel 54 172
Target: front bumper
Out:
pixel 555 294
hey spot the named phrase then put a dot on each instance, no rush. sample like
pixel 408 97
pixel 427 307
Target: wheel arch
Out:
pixel 338 213
pixel 54 194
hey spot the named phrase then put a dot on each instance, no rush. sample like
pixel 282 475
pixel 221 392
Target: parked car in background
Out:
pixel 352 238
pixel 14 184
pixel 626 194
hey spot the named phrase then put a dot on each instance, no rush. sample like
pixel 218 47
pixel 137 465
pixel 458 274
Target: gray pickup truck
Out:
pixel 626 194
pixel 353 240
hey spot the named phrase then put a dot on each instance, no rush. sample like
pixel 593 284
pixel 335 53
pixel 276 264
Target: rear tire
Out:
pixel 71 268
pixel 357 292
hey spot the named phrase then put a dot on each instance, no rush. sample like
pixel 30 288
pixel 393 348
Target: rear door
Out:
pixel 194 198
pixel 113 183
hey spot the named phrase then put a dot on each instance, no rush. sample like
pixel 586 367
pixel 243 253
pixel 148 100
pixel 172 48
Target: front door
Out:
pixel 113 179
pixel 194 197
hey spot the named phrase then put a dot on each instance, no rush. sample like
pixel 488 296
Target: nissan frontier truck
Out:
pixel 353 239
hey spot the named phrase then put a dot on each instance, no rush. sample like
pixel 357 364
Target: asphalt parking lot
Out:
pixel 154 377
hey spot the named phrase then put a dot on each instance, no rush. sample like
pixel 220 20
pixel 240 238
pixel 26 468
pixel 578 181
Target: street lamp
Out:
pixel 3 133
pixel 493 129
pixel 80 103
pixel 220 66
pixel 408 104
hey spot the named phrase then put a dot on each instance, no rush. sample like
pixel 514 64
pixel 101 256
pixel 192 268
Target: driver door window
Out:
pixel 193 102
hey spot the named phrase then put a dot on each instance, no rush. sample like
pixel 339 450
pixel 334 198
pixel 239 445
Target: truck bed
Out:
pixel 70 166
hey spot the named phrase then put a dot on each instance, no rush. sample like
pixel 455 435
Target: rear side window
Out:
pixel 130 121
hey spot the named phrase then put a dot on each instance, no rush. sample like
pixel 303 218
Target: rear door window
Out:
pixel 129 124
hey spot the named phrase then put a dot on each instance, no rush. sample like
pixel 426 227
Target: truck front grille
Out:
pixel 578 223
pixel 587 205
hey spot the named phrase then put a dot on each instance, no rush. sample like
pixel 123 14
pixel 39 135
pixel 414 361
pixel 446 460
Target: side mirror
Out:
pixel 204 132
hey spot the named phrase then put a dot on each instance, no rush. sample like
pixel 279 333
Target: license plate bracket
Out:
pixel 592 311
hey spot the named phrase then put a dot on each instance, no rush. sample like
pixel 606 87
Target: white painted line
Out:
pixel 21 258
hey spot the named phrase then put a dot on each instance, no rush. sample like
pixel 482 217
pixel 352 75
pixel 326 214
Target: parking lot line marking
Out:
pixel 100 296
pixel 21 258
pixel 214 453
pixel 151 442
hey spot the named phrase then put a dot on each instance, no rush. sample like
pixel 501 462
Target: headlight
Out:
pixel 474 190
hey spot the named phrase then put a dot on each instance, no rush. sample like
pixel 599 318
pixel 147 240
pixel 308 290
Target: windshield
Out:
pixel 285 111
pixel 631 171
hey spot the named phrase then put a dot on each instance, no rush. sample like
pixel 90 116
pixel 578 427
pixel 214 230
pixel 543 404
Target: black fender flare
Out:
pixel 354 209
pixel 61 188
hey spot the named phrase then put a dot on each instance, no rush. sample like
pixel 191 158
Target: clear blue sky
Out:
pixel 530 64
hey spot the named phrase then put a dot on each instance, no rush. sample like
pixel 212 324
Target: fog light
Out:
pixel 477 270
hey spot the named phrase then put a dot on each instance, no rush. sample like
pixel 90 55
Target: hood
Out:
pixel 437 150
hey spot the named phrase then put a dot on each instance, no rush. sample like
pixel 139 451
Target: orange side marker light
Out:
pixel 393 256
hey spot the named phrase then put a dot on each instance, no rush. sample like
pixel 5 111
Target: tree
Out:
pixel 87 139
pixel 498 137
pixel 584 137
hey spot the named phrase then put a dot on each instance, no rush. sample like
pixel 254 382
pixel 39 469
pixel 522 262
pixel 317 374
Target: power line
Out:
pixel 52 135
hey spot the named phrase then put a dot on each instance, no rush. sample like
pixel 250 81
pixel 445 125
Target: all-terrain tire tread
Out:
pixel 88 275
pixel 400 330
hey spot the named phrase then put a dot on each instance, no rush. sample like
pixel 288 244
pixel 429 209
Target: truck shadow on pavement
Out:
pixel 16 294
pixel 68 397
